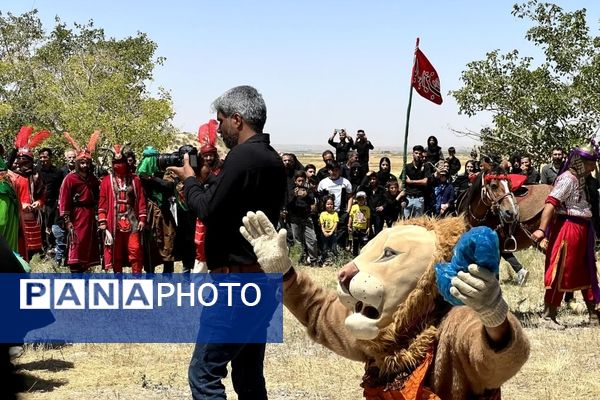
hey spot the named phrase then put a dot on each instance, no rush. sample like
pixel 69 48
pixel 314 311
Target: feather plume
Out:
pixel 39 137
pixel 207 133
pixel 72 141
pixel 23 136
pixel 93 141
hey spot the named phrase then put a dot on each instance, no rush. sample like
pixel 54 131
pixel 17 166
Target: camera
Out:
pixel 175 159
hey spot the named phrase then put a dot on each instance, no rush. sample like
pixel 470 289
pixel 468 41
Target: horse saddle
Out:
pixel 531 200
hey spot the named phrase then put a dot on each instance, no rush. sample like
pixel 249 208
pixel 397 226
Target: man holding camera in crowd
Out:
pixel 252 178
pixel 362 145
pixel 343 146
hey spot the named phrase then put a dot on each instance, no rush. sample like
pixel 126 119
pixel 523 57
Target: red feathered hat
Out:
pixel 25 141
pixel 87 150
pixel 207 136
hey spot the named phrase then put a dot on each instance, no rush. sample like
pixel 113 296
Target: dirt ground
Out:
pixel 562 364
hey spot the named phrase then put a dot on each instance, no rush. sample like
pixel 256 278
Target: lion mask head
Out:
pixel 390 286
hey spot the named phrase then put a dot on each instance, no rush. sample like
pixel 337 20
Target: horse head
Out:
pixel 497 194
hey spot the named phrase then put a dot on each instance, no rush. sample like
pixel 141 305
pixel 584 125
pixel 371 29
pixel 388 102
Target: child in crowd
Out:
pixel 444 195
pixel 329 221
pixel 359 222
pixel 300 204
pixel 393 205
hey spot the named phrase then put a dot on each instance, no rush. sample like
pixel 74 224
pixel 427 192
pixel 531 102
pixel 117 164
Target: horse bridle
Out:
pixel 492 202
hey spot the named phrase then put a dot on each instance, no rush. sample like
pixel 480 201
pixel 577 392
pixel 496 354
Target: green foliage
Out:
pixel 538 105
pixel 77 80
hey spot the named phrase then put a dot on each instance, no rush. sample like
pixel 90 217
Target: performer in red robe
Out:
pixel 29 190
pixel 122 215
pixel 211 163
pixel 77 203
pixel 566 222
pixel 210 159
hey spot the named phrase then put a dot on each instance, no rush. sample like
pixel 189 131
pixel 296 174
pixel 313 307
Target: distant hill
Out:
pixel 316 148
pixel 180 139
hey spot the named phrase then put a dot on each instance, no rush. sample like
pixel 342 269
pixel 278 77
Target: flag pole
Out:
pixel 405 157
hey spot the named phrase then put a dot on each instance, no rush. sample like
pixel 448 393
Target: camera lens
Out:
pixel 168 160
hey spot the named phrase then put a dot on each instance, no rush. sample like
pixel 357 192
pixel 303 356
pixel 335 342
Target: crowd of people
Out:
pixel 136 215
pixel 343 204
pixel 79 215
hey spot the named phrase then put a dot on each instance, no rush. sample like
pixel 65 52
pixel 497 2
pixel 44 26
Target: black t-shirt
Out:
pixel 52 179
pixel 253 178
pixel 342 148
pixel 298 206
pixel 392 207
pixel 454 165
pixel 416 173
pixel 362 148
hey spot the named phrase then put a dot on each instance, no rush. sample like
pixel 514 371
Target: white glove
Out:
pixel 108 239
pixel 480 290
pixel 269 245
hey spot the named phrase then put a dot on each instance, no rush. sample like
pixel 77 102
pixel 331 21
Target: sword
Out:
pixel 101 247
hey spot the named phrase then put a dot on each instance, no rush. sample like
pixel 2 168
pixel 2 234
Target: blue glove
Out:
pixel 479 245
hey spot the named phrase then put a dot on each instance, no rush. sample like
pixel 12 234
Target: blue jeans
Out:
pixel 209 361
pixel 61 246
pixel 304 233
pixel 330 246
pixel 415 207
pixel 209 366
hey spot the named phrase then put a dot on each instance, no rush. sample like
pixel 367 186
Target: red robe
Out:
pixel 77 200
pixel 200 232
pixel 30 229
pixel 107 212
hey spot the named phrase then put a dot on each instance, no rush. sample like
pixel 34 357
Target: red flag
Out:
pixel 425 79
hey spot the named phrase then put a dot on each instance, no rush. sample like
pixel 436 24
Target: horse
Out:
pixel 490 201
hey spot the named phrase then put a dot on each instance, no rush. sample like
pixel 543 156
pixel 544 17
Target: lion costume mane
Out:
pixel 391 316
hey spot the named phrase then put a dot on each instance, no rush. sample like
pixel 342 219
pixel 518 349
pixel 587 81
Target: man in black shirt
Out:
pixel 58 226
pixel 529 171
pixel 362 145
pixel 417 179
pixel 327 158
pixel 453 162
pixel 253 178
pixel 343 146
pixel 52 178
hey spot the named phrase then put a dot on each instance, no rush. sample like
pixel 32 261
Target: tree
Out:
pixel 536 106
pixel 77 80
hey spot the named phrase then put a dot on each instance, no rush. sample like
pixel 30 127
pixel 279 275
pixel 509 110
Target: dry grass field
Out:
pixel 395 158
pixel 562 364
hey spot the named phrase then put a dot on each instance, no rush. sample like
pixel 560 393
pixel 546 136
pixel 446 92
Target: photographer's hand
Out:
pixel 183 172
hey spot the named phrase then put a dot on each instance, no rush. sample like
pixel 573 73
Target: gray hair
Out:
pixel 245 101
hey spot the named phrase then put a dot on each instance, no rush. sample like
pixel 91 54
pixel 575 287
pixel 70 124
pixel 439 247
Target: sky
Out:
pixel 320 65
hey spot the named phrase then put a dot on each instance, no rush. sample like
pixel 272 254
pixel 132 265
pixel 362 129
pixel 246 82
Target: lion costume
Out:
pixel 389 314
